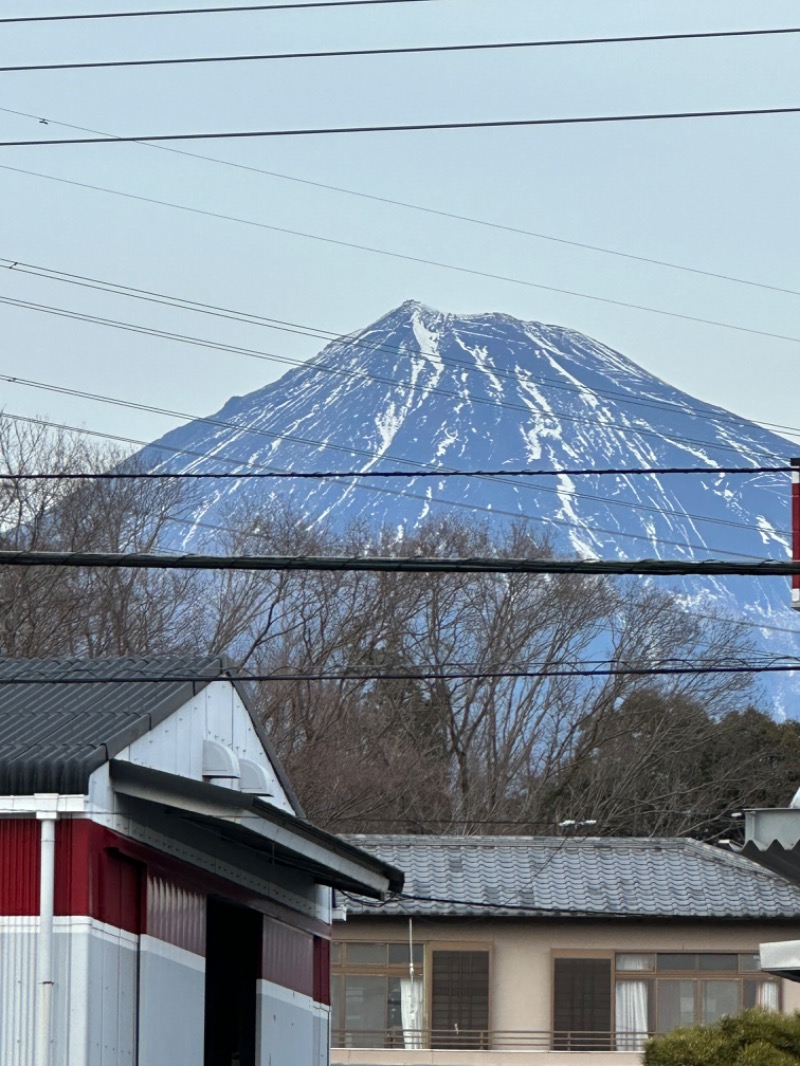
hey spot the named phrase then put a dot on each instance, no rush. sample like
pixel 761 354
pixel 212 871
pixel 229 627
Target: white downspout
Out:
pixel 44 959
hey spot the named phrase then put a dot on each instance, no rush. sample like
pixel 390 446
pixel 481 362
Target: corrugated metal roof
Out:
pixel 602 876
pixel 54 735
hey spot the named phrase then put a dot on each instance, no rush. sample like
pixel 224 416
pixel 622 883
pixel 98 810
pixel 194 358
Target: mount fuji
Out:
pixel 423 389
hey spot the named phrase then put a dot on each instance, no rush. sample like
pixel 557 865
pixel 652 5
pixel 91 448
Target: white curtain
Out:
pixel 631 1015
pixel 411 1011
pixel 767 995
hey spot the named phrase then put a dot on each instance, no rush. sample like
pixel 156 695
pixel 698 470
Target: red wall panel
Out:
pixel 176 914
pixel 119 900
pixel 322 970
pixel 93 878
pixel 288 957
pixel 19 866
pixel 74 889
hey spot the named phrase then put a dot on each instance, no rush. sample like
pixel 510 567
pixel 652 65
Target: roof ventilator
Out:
pixel 254 778
pixel 220 765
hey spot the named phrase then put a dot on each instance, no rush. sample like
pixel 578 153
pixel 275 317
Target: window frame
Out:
pixel 696 975
pixel 342 969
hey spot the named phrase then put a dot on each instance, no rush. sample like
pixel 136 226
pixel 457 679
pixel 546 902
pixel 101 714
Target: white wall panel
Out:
pixel 172 1005
pixel 287 1027
pixel 322 1036
pixel 95 995
pixel 18 938
pixel 176 745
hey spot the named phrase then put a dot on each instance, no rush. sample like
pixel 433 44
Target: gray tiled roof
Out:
pixel 55 732
pixel 627 877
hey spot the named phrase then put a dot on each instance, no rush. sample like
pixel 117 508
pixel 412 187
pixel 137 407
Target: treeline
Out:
pixel 436 752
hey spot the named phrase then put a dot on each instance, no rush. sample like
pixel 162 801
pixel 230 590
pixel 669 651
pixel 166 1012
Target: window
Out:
pixel 652 993
pixel 460 999
pixel 375 1002
pixel 582 1004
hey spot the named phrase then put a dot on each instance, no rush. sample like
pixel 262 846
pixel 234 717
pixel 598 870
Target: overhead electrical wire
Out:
pixel 409 127
pixel 252 319
pixel 222 10
pixel 398 565
pixel 403 204
pixel 249 352
pixel 227 529
pixel 436 49
pixel 421 260
pixel 322 475
pixel 419 675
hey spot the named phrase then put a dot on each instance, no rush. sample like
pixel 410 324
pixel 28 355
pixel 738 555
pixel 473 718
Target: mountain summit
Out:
pixel 422 389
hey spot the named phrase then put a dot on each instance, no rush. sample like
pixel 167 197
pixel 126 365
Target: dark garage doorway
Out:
pixel 233 956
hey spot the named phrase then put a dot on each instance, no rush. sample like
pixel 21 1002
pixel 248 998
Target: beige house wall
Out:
pixel 521 968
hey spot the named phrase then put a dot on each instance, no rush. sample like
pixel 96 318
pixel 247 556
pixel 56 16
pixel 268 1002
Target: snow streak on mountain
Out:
pixel 425 389
pixel 420 388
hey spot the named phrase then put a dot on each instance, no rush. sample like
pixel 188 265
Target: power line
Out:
pixel 421 675
pixel 208 10
pixel 320 475
pixel 414 474
pixel 406 127
pixel 416 564
pixel 399 203
pixel 276 324
pixel 414 819
pixel 350 53
pixel 272 357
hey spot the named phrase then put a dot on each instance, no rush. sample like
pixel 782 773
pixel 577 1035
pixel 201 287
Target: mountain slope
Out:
pixel 488 391
pixel 427 390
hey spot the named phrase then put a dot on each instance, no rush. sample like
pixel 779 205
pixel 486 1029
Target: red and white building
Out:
pixel 162 900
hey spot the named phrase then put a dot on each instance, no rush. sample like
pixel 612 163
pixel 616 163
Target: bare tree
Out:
pixel 484 711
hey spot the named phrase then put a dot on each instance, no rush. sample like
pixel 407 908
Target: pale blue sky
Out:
pixel 721 195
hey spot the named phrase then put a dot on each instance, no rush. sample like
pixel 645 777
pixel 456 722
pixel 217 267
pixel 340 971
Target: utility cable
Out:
pixel 321 475
pixel 226 10
pixel 421 675
pixel 414 127
pixel 435 49
pixel 236 350
pixel 406 205
pixel 397 565
pixel 251 318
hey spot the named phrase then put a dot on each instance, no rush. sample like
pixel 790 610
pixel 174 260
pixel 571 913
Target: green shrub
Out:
pixel 754 1038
